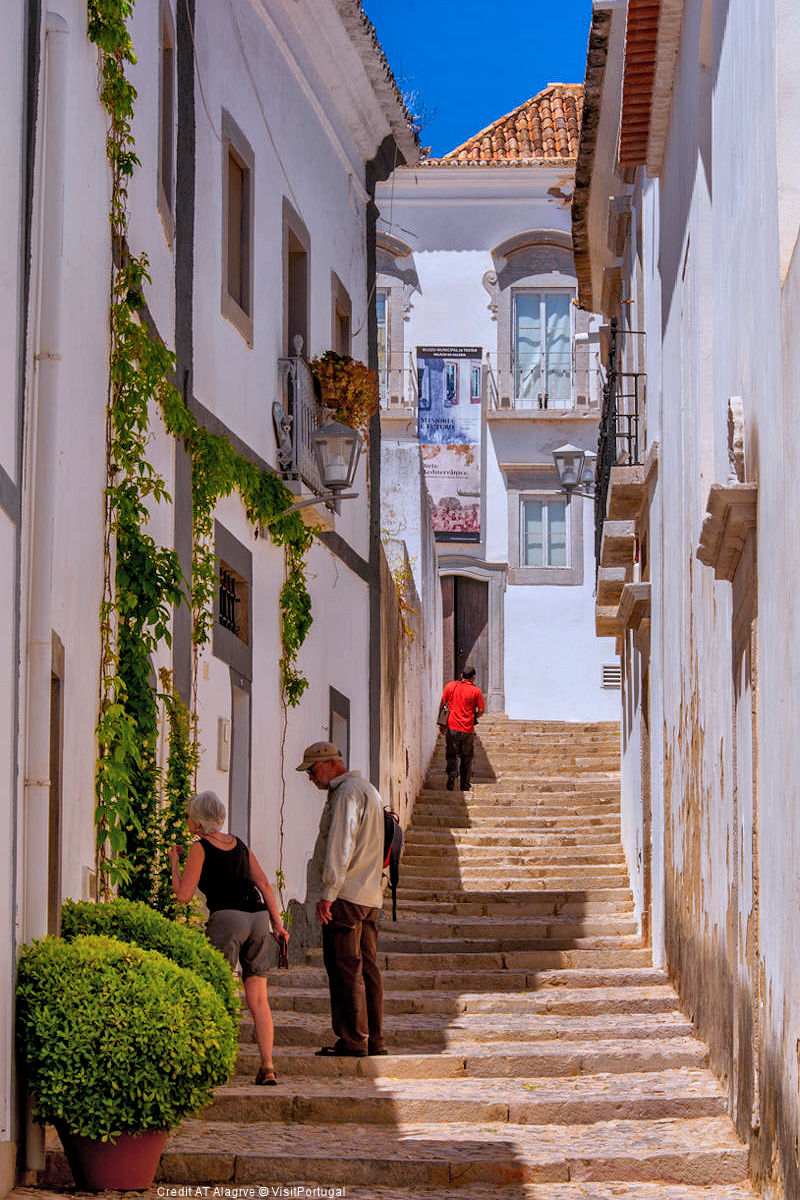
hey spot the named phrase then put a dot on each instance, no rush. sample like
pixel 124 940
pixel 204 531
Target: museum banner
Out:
pixel 449 431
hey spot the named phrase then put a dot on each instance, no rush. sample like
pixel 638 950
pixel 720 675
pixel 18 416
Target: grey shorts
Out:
pixel 244 938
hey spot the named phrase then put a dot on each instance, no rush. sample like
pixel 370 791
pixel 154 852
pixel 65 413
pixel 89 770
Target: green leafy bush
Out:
pixel 133 921
pixel 118 1039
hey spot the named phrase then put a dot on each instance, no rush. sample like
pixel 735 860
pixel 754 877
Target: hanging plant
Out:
pixel 349 389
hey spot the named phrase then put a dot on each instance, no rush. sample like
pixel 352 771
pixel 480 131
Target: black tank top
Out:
pixel 225 879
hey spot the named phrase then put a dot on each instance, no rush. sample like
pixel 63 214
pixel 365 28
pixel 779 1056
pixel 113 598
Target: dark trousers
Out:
pixel 459 745
pixel 350 954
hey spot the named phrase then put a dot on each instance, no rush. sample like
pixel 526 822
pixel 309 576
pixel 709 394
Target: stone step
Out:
pixel 702 1151
pixel 529 790
pixel 547 849
pixel 458 823
pixel 420 887
pixel 434 926
pixel 591 976
pixel 441 1031
pixel 511 960
pixel 683 1092
pixel 531 1191
pixel 558 998
pixel 392 944
pixel 495 902
pixel 547 834
pixel 507 1060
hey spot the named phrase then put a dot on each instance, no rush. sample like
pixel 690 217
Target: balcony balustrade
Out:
pixel 399 388
pixel 302 414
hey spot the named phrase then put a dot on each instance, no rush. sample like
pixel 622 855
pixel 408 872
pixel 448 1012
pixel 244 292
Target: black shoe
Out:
pixel 339 1051
pixel 377 1053
pixel 451 783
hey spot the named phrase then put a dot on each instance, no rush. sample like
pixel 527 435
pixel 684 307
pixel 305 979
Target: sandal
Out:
pixel 266 1075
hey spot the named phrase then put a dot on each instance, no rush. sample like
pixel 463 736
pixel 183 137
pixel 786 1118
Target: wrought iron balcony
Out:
pixel 301 415
pixel 619 442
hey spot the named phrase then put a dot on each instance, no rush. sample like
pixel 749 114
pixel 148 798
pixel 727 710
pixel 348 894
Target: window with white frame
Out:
pixel 382 308
pixel 544 532
pixel 542 347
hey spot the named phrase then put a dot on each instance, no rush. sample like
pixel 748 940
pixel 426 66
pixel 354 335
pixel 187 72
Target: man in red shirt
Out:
pixel 466 704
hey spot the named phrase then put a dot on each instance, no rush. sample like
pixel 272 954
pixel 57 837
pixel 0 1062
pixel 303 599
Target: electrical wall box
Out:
pixel 224 744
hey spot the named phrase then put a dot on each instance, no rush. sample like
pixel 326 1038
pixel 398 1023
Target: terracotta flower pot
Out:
pixel 128 1164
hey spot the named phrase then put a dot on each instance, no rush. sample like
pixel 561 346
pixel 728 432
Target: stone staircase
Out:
pixel 534 1051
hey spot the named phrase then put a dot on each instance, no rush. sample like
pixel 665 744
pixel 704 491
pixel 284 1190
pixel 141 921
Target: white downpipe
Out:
pixel 40 578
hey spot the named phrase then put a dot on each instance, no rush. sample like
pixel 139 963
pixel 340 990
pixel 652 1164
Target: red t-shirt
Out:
pixel 466 702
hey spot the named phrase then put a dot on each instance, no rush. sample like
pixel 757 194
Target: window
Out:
pixel 545 533
pixel 342 310
pixel 476 385
pixel 233 602
pixel 339 723
pixel 237 229
pixel 542 348
pixel 296 254
pixel 545 541
pixel 382 308
pixel 166 123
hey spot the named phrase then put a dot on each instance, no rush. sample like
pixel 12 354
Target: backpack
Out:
pixel 392 846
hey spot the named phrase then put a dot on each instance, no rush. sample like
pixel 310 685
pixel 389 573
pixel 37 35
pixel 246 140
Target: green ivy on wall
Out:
pixel 143 582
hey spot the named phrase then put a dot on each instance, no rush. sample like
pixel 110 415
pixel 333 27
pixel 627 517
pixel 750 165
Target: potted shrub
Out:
pixel 120 1045
pixel 348 388
pixel 134 921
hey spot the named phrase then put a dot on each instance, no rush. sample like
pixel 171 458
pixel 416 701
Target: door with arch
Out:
pixel 465 627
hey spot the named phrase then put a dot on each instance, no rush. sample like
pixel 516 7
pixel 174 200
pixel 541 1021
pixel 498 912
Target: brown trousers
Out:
pixel 350 954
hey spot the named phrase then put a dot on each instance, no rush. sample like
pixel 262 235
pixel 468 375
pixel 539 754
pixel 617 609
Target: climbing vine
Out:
pixel 143 582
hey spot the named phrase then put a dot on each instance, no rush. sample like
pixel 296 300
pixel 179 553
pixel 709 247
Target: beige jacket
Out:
pixel 348 855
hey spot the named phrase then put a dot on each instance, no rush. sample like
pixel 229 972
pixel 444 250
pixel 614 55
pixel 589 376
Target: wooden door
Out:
pixel 465 627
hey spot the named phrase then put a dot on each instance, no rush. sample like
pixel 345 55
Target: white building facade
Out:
pixel 261 131
pixel 686 223
pixel 476 289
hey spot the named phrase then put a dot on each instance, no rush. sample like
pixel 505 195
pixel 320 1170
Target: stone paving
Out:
pixel 534 1051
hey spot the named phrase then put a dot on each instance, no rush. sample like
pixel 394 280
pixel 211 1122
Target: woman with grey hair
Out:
pixel 239 900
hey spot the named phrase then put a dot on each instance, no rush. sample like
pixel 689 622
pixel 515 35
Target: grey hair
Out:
pixel 207 810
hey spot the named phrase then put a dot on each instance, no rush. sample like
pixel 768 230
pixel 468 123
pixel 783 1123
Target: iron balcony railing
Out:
pixel 304 413
pixel 619 442
pixel 399 386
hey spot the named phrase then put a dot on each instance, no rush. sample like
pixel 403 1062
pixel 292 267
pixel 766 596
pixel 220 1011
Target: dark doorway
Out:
pixel 239 778
pixel 465 627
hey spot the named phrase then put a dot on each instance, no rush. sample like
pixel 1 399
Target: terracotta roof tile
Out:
pixel 545 127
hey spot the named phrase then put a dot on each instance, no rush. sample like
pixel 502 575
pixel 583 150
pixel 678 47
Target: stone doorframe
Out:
pixel 495 575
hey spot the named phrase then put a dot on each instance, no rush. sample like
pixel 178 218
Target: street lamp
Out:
pixel 336 450
pixel 571 464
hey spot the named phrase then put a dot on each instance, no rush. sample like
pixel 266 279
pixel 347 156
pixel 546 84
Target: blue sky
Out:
pixel 471 61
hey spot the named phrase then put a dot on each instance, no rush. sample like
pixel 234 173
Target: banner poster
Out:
pixel 449 431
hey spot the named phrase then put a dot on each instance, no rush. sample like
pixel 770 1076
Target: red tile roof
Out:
pixel 545 128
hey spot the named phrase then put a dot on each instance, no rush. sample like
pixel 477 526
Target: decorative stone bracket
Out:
pixel 730 516
pixel 634 613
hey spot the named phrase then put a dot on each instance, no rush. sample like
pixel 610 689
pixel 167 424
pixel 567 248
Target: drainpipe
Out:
pixel 36 810
pixel 40 580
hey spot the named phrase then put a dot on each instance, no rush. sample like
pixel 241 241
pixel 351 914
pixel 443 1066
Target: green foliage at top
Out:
pixel 146 583
pixel 117 1039
pixel 134 922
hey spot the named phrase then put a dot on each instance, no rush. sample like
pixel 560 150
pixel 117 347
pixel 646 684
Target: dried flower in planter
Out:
pixel 349 389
